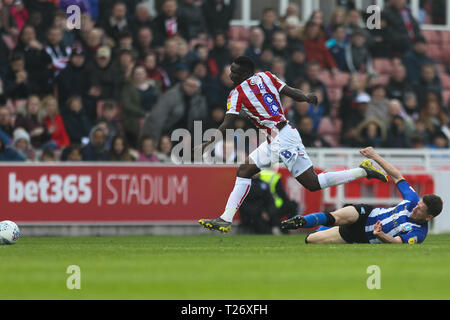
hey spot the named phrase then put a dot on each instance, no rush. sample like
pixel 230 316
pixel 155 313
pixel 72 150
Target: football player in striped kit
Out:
pixel 405 223
pixel 258 95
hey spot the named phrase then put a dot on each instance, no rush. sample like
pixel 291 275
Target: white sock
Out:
pixel 237 196
pixel 330 179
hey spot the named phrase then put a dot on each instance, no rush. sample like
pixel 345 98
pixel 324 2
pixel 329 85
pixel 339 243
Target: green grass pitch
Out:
pixel 222 267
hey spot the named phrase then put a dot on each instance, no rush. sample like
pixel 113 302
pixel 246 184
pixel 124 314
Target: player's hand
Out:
pixel 368 152
pixel 377 229
pixel 312 99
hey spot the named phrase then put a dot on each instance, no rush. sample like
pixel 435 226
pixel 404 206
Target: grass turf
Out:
pixel 222 267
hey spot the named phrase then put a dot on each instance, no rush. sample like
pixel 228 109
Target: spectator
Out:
pixel 397 137
pixel 60 22
pixel 6 124
pixel 96 149
pixel 144 42
pixel 75 79
pixel 37 61
pixel 109 116
pixel 169 23
pixel 351 121
pixel 125 63
pixel 171 59
pixel 371 133
pixel 402 27
pixel 357 55
pixel 17 84
pixel 316 112
pixel 22 145
pixel 338 18
pixel 220 54
pixel 380 46
pixel 178 107
pixel 142 19
pixel 8 153
pixel 138 98
pixel 296 67
pixel 19 13
pixel 47 155
pixel 59 53
pixel 269 25
pixel 309 135
pixel 440 141
pixel 117 21
pixel 31 122
pixel 106 78
pixel 255 47
pixel 337 46
pixel 218 15
pixel 415 59
pixel 120 150
pixel 279 45
pixel 76 121
pixel 258 212
pixel 94 40
pixel 192 12
pixel 428 82
pixel 147 151
pixel 411 106
pixel 165 149
pixel 293 33
pixel 54 122
pixel 278 68
pixel 315 48
pixel 378 107
pixel 312 76
pixel 354 21
pixel 155 73
pixel 433 117
pixel 72 153
pixel 398 86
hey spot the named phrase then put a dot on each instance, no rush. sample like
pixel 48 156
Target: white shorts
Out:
pixel 288 146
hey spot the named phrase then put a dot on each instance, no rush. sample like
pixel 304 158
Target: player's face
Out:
pixel 237 75
pixel 420 213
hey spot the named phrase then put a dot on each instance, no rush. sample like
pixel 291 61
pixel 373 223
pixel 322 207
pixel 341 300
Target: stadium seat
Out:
pixel 340 79
pixel 445 81
pixel 335 94
pixel 446 96
pixel 325 77
pixel 432 36
pixel 382 66
pixel 435 51
pixel 445 37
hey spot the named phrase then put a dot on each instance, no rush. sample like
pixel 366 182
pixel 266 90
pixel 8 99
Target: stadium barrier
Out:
pixel 88 198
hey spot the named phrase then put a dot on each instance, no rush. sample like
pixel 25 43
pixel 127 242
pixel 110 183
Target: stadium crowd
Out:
pixel 115 89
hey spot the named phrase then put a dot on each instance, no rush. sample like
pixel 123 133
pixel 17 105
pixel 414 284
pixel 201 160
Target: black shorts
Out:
pixel 355 232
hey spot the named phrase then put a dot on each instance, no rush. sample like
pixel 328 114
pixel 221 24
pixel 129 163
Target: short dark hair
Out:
pixel 434 204
pixel 245 63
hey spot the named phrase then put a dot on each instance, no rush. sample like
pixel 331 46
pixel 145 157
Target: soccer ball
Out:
pixel 9 232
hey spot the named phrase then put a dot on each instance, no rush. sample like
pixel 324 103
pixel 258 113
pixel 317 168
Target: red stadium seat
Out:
pixel 446 96
pixel 325 77
pixel 340 79
pixel 382 66
pixel 432 36
pixel 435 51
pixel 445 81
pixel 445 37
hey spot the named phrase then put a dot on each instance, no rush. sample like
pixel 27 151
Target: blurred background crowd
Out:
pixel 115 89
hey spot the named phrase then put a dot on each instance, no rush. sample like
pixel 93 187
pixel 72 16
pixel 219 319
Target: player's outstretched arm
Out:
pixel 298 95
pixel 389 168
pixel 228 123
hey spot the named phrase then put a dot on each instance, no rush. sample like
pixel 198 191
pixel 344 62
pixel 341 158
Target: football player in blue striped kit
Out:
pixel 405 223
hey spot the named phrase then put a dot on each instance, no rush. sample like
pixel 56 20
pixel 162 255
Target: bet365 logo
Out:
pixel 73 13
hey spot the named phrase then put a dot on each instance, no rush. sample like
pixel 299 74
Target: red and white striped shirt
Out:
pixel 259 97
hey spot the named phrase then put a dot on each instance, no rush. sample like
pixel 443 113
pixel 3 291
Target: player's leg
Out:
pixel 341 217
pixel 258 159
pixel 314 182
pixel 330 236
